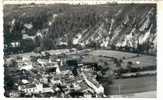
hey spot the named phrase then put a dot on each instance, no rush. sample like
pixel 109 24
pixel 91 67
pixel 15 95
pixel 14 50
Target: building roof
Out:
pixel 28 86
pixel 48 89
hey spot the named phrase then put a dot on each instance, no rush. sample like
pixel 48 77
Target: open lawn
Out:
pixel 137 61
pixel 144 61
pixel 131 85
pixel 112 53
pixel 149 94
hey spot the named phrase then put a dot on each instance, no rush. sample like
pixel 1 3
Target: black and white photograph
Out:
pixel 68 50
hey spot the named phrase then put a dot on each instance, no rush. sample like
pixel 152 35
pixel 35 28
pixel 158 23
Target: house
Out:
pixel 14 94
pixel 26 36
pixel 24 81
pixel 53 66
pixel 26 67
pixel 98 88
pixel 56 81
pixel 47 90
pixel 26 59
pixel 31 88
pixel 28 25
pixel 42 61
pixel 15 44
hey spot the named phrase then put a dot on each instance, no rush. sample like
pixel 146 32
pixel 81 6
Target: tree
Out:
pixel 129 65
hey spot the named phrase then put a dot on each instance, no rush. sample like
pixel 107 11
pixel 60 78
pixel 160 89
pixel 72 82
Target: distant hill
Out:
pixel 130 27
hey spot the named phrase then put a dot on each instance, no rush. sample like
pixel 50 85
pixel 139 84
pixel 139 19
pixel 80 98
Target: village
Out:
pixel 80 50
pixel 67 73
pixel 47 75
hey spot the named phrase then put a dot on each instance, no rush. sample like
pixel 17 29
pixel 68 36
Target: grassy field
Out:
pixel 144 60
pixel 149 94
pixel 111 53
pixel 131 85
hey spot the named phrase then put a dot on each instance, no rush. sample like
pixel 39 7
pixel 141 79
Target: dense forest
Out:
pixel 128 27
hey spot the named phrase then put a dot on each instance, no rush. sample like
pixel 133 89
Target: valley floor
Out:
pixel 138 87
pixel 132 85
pixel 149 94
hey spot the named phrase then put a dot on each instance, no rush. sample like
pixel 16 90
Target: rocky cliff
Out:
pixel 117 26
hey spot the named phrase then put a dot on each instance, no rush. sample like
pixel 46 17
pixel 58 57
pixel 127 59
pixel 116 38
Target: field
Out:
pixel 138 61
pixel 149 94
pixel 111 53
pixel 129 85
pixel 145 61
pixel 132 85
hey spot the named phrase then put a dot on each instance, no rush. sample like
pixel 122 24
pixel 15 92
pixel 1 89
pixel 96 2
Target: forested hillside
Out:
pixel 129 27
